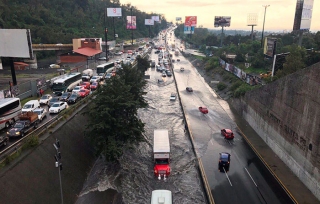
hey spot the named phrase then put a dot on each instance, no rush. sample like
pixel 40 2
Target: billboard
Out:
pixel 190 21
pixel 155 18
pixel 178 19
pixel 222 21
pixel 269 46
pixel 131 22
pixel 303 15
pixel 188 29
pixel 252 19
pixel 16 43
pixel 148 22
pixel 114 12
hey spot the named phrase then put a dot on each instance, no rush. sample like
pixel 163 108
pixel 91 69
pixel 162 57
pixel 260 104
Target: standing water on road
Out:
pixel 133 178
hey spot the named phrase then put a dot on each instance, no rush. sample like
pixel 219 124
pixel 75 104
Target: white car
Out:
pixel 173 97
pixel 42 113
pixel 58 107
pixel 118 53
pixel 45 99
pixel 95 79
pixel 76 89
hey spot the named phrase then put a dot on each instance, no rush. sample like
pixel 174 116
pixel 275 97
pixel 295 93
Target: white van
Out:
pixel 30 106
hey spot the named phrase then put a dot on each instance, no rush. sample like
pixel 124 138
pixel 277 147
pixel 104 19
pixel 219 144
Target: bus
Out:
pixel 161 196
pixel 102 68
pixel 10 109
pixel 66 83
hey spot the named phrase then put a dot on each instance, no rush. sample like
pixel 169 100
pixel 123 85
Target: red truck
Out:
pixel 161 154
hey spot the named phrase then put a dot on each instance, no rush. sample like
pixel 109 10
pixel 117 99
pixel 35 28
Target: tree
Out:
pixel 113 120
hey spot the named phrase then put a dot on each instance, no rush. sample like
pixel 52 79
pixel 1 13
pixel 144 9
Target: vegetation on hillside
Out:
pixel 113 120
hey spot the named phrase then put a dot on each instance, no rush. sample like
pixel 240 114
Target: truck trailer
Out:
pixel 161 154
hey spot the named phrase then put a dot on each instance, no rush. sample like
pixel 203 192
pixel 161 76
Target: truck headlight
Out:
pixel 17 133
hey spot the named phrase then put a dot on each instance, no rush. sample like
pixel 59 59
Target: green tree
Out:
pixel 113 120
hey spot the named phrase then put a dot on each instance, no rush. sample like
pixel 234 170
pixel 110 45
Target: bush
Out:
pixel 240 91
pixel 221 86
pixel 236 85
pixel 30 142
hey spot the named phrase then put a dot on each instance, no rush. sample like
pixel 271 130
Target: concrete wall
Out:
pixel 286 115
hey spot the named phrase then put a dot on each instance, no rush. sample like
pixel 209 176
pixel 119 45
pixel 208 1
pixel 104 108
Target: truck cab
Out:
pixel 161 154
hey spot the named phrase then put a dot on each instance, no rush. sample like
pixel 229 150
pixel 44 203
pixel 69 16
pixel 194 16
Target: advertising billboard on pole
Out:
pixel 155 18
pixel 190 21
pixel 148 22
pixel 16 43
pixel 269 46
pixel 222 21
pixel 131 22
pixel 252 19
pixel 114 12
pixel 178 19
pixel 303 15
pixel 188 29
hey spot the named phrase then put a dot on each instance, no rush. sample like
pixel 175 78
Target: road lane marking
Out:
pixel 251 177
pixel 211 142
pixel 227 176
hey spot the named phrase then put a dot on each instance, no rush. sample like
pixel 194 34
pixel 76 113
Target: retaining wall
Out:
pixel 286 115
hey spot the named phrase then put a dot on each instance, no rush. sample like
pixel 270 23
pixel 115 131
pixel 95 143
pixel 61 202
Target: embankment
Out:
pixel 34 177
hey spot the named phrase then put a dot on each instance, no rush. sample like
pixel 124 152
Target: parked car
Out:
pixel 77 89
pixel 173 97
pixel 224 161
pixel 42 113
pixel 227 133
pixel 84 92
pixel 203 110
pixel 64 97
pixel 45 99
pixel 57 107
pixel 54 100
pixel 102 58
pixel 95 79
pixel 85 84
pixel 73 98
pixel 189 89
pixel 94 86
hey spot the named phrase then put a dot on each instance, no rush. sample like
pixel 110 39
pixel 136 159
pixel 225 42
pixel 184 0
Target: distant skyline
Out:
pixel 279 15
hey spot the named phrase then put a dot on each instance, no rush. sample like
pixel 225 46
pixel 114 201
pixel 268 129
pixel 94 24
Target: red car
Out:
pixel 84 92
pixel 203 110
pixel 94 86
pixel 227 133
pixel 85 84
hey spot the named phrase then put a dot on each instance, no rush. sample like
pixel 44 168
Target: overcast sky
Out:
pixel 279 15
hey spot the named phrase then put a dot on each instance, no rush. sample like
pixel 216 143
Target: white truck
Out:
pixel 87 74
pixel 161 196
pixel 161 154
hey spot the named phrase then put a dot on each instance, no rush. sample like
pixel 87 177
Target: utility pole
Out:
pixel 106 34
pixel 264 18
pixel 131 28
pixel 58 164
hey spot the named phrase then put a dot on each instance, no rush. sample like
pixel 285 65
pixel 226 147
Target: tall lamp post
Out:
pixel 131 28
pixel 106 33
pixel 264 18
pixel 58 164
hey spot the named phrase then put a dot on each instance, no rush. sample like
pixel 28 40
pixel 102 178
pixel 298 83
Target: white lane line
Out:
pixel 227 176
pixel 211 142
pixel 251 177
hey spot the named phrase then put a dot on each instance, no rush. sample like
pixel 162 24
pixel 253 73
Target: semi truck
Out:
pixel 161 154
pixel 26 122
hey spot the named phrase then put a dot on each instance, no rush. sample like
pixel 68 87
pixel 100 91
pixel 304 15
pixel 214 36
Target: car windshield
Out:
pixel 56 105
pixel 76 88
pixel 224 157
pixel 65 94
pixel 45 97
pixel 18 125
pixel 73 96
pixel 37 112
pixel 27 106
pixel 94 83
pixel 82 90
pixel 162 161
pixel 54 99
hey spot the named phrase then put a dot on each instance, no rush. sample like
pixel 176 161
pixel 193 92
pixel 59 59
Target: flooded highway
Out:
pixel 134 176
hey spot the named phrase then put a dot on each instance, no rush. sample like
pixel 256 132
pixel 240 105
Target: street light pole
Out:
pixel 264 18
pixel 106 34
pixel 131 29
pixel 58 164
